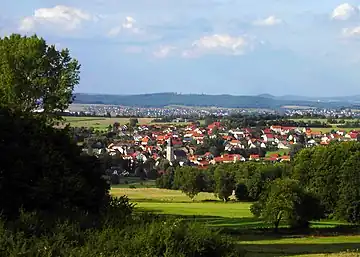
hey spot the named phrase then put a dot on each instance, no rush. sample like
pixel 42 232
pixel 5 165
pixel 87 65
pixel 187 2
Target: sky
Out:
pixel 238 47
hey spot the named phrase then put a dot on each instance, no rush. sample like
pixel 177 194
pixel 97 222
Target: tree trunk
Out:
pixel 277 223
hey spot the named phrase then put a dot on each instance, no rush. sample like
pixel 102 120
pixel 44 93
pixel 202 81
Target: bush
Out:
pixel 161 238
pixel 169 238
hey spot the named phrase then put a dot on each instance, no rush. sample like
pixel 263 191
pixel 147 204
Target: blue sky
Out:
pixel 239 47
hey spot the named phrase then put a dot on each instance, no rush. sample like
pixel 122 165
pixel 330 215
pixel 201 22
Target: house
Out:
pixel 276 129
pixel 268 138
pixel 285 158
pixel 254 157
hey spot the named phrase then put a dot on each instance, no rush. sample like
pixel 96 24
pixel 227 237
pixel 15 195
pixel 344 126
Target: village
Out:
pixel 202 146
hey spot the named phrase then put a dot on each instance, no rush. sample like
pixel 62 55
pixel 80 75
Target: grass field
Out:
pixel 237 220
pixel 103 122
pixel 100 122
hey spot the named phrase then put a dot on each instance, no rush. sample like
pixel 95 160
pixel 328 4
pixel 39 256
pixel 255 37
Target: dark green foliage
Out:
pixel 332 174
pixel 42 169
pixel 166 180
pixel 241 192
pixel 145 237
pixel 189 180
pixel 133 122
pixel 285 200
pixel 348 205
pixel 224 183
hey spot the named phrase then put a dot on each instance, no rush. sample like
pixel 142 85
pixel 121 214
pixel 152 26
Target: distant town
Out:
pixel 180 113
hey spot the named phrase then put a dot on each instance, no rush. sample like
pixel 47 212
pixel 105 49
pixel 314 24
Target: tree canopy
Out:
pixel 42 169
pixel 35 75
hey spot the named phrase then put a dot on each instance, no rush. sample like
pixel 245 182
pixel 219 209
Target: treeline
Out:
pixel 267 120
pixel 321 182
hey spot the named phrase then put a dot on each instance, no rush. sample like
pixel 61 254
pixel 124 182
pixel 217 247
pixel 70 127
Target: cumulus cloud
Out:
pixel 219 44
pixel 269 21
pixel 63 17
pixel 345 12
pixel 164 51
pixel 129 24
pixel 351 32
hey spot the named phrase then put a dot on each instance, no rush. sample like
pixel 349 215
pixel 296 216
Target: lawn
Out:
pixel 236 219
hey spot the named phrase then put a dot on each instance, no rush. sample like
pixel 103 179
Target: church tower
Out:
pixel 169 151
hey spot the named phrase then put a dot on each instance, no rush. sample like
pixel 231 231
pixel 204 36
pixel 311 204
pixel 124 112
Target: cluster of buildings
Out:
pixel 180 143
pixel 201 112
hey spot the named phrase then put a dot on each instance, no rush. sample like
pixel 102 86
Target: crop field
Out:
pixel 102 123
pixel 251 233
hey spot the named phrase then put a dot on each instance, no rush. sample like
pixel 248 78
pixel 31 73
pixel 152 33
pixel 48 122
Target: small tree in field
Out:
pixel 224 183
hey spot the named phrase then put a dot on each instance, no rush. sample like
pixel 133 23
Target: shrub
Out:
pixel 162 238
pixel 167 238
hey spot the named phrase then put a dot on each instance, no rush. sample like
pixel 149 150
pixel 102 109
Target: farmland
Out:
pixel 102 123
pixel 236 218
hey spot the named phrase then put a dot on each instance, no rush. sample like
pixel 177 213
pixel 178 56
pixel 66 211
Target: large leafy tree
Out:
pixel 35 75
pixel 285 200
pixel 327 172
pixel 348 205
pixel 190 180
pixel 42 169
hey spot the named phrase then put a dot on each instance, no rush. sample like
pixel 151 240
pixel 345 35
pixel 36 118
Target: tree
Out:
pixel 348 205
pixel 133 122
pixel 321 170
pixel 43 169
pixel 224 183
pixel 241 192
pixel 285 200
pixel 190 180
pixel 35 75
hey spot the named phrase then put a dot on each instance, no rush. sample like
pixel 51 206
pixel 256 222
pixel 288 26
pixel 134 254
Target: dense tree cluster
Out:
pixel 320 182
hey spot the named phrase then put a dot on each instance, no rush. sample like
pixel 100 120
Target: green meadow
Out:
pixel 235 218
pixel 102 123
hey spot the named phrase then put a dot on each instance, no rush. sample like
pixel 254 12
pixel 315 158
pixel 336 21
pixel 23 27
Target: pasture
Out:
pixel 235 218
pixel 102 123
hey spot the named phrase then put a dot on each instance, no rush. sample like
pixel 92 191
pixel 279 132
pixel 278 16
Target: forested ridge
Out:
pixel 225 101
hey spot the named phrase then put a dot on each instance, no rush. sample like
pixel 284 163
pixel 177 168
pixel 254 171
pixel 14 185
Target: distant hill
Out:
pixel 226 101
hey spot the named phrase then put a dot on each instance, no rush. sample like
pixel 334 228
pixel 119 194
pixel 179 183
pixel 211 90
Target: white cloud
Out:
pixel 129 24
pixel 64 17
pixel 164 51
pixel 221 44
pixel 351 32
pixel 345 12
pixel 269 21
